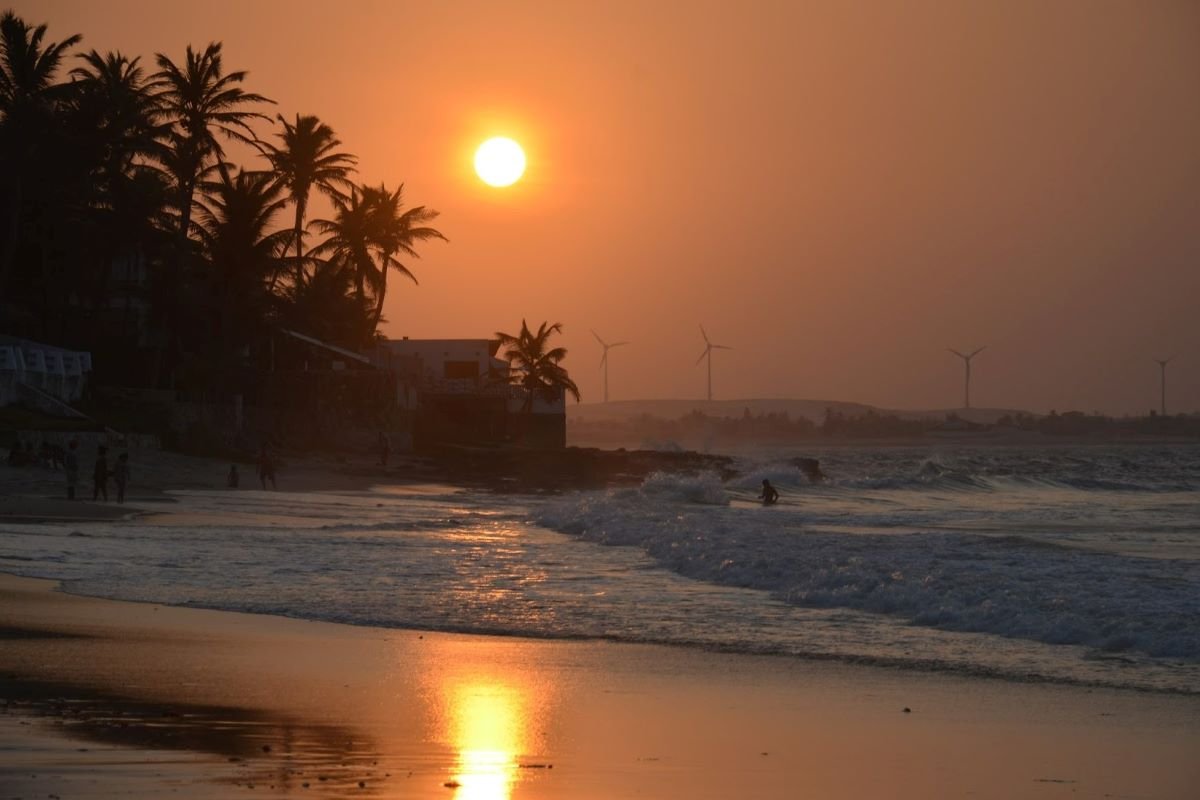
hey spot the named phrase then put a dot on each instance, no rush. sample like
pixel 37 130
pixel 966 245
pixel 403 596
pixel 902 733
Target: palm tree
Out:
pixel 350 240
pixel 537 368
pixel 396 231
pixel 120 121
pixel 325 306
pixel 241 251
pixel 28 98
pixel 201 101
pixel 113 94
pixel 306 159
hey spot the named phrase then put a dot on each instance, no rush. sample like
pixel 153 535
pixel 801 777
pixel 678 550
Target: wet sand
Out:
pixel 104 699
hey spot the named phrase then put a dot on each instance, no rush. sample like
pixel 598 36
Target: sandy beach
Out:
pixel 35 492
pixel 105 698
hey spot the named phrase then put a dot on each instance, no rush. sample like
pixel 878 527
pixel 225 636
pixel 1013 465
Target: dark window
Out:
pixel 461 369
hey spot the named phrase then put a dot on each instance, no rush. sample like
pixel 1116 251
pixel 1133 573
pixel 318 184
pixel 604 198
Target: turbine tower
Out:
pixel 708 348
pixel 604 359
pixel 967 363
pixel 1162 366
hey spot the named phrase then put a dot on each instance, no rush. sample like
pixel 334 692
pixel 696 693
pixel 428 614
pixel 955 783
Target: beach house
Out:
pixel 458 391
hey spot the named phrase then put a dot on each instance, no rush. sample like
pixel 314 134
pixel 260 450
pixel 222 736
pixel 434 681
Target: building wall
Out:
pixel 461 395
pixel 443 359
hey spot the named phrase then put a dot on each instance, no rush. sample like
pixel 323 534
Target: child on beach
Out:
pixel 385 448
pixel 100 475
pixel 266 468
pixel 121 475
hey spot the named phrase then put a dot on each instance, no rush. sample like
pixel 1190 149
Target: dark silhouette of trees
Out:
pixel 396 232
pixel 127 229
pixel 241 253
pixel 305 159
pixel 535 365
pixel 28 99
pixel 366 233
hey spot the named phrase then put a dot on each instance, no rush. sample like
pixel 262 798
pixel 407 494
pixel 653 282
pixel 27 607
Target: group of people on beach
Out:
pixel 100 473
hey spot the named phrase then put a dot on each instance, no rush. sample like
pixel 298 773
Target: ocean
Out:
pixel 1069 564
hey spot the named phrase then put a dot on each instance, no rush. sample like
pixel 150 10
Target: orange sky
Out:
pixel 837 190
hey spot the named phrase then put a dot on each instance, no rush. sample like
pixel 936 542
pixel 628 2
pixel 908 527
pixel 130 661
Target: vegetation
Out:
pixel 535 365
pixel 127 229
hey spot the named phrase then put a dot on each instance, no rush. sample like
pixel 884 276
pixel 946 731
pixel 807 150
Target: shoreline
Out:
pixel 106 687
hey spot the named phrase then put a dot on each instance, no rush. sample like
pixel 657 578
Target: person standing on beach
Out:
pixel 266 467
pixel 121 475
pixel 100 475
pixel 71 468
pixel 385 448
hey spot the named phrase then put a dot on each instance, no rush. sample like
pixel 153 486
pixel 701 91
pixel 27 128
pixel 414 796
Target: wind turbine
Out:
pixel 708 348
pixel 604 359
pixel 967 363
pixel 1162 366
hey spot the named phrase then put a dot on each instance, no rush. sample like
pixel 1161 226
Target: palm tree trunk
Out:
pixel 299 231
pixel 382 295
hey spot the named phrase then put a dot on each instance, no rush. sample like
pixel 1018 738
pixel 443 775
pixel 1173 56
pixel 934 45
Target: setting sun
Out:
pixel 499 161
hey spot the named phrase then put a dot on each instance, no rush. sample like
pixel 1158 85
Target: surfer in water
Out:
pixel 769 496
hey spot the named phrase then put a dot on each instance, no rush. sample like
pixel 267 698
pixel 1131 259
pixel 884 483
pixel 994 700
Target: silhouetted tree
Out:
pixel 396 231
pixel 241 253
pixel 28 98
pixel 202 105
pixel 307 159
pixel 536 365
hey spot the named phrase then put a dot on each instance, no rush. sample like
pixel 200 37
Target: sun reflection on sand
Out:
pixel 487 728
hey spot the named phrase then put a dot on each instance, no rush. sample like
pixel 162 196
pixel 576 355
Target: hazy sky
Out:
pixel 837 190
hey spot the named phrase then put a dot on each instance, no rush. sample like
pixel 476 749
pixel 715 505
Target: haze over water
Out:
pixel 838 191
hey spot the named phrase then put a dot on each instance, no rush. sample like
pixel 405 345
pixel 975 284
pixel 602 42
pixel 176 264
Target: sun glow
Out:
pixel 488 733
pixel 500 161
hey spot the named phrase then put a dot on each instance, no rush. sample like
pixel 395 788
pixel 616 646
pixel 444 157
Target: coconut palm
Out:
pixel 325 306
pixel 112 93
pixel 307 159
pixel 396 231
pixel 535 365
pixel 234 218
pixel 28 97
pixel 351 238
pixel 117 120
pixel 203 104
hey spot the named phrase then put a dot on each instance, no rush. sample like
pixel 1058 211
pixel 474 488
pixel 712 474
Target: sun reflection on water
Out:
pixel 488 730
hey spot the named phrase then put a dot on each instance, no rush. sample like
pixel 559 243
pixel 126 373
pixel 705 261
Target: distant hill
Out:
pixel 813 409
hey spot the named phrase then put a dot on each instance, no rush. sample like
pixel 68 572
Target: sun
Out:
pixel 499 161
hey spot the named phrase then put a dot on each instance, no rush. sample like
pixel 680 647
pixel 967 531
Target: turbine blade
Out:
pixel 598 339
pixel 705 335
pixel 604 358
pixel 617 344
pixel 721 347
pixel 702 355
pixel 952 350
pixel 978 350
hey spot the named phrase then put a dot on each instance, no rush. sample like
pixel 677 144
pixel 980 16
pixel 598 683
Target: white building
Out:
pixel 41 369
